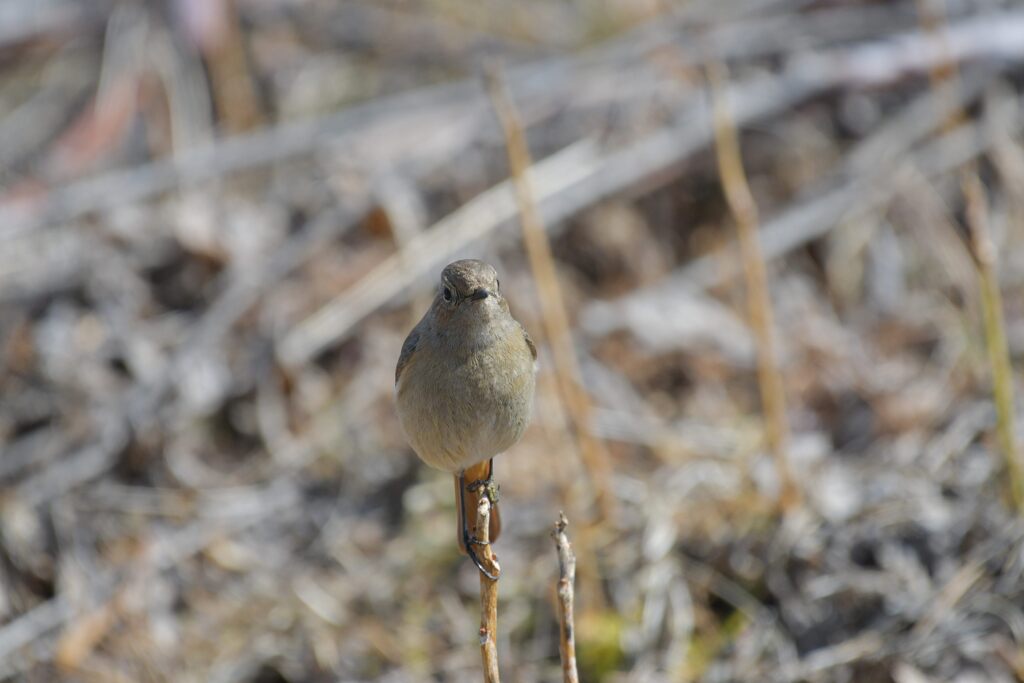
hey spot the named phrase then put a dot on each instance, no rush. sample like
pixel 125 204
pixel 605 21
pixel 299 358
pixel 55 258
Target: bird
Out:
pixel 464 387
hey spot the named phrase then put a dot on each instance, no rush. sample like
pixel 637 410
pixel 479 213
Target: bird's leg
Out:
pixel 468 539
pixel 489 486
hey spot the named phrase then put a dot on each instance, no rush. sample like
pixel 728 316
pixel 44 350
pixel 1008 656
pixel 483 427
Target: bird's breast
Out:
pixel 458 408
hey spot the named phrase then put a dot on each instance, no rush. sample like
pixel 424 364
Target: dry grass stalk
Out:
pixel 232 79
pixel 744 210
pixel 552 303
pixel 566 595
pixel 943 73
pixel 488 592
pixel 995 332
pixel 944 77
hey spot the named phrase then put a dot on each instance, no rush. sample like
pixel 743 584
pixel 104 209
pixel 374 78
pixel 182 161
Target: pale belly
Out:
pixel 469 412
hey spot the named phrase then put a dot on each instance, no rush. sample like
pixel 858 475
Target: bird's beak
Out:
pixel 479 294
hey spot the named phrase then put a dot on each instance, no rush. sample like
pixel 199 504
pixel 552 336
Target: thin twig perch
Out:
pixel 566 594
pixel 488 592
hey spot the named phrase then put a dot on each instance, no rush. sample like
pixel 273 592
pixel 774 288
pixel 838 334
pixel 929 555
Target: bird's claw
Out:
pixel 469 542
pixel 490 489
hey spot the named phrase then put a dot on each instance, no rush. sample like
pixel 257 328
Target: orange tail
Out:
pixel 468 500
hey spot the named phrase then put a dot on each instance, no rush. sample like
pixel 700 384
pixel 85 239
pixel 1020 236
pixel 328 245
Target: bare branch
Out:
pixel 488 591
pixel 566 595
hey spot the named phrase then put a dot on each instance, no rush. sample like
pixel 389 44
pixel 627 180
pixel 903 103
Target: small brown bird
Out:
pixel 464 385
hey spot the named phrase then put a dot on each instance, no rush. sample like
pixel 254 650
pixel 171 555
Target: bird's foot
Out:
pixel 469 540
pixel 489 487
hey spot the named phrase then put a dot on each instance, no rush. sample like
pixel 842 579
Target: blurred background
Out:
pixel 219 219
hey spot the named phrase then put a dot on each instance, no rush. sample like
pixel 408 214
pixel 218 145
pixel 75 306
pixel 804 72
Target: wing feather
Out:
pixel 408 348
pixel 529 341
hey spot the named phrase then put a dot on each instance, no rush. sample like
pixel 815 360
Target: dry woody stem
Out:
pixel 759 305
pixel 488 592
pixel 553 310
pixel 566 595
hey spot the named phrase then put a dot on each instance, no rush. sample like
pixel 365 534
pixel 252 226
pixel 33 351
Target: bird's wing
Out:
pixel 529 342
pixel 407 350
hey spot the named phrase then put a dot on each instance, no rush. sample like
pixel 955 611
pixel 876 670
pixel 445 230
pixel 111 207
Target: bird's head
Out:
pixel 469 290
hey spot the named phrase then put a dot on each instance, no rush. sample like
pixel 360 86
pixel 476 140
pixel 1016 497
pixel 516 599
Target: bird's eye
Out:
pixel 447 294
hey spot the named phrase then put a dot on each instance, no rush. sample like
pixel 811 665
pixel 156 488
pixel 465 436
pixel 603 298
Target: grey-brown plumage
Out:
pixel 465 378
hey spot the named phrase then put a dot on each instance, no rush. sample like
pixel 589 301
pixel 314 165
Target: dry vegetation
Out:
pixel 218 221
